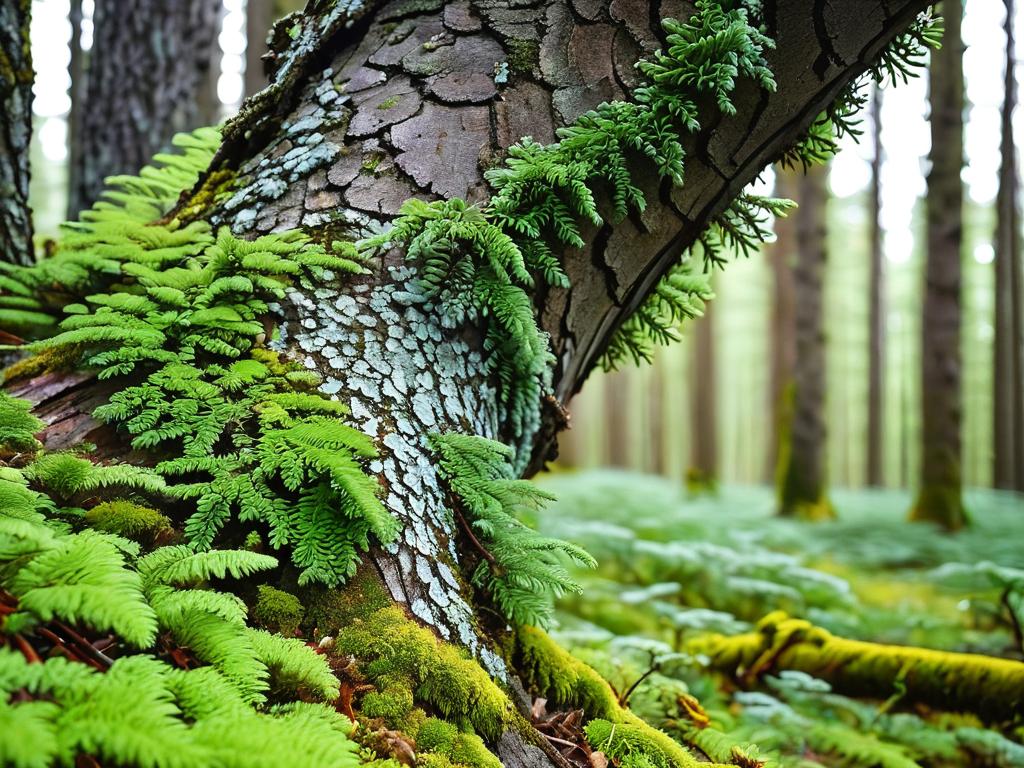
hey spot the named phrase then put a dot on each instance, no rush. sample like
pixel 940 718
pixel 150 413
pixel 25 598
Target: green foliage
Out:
pixel 674 569
pixel 680 295
pixel 277 611
pixel 520 569
pixel 17 426
pixel 186 681
pixel 115 231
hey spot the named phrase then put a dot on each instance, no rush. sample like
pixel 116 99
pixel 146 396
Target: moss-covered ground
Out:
pixel 674 567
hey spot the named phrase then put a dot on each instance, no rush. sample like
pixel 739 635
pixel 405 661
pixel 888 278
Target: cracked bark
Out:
pixel 416 98
pixel 15 132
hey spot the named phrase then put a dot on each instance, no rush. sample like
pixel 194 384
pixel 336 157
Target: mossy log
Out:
pixel 989 687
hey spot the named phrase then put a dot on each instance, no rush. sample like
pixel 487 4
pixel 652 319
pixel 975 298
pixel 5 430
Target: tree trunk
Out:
pixel 939 498
pixel 77 71
pixel 617 402
pixel 15 132
pixel 782 344
pixel 802 489
pixel 876 311
pixel 702 474
pixel 414 100
pixel 1007 395
pixel 149 77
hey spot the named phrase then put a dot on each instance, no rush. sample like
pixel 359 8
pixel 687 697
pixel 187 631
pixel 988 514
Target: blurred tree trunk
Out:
pixel 617 420
pixel 782 346
pixel 15 131
pixel 1008 388
pixel 260 16
pixel 702 474
pixel 149 76
pixel 802 487
pixel 876 340
pixel 77 70
pixel 940 499
pixel 656 417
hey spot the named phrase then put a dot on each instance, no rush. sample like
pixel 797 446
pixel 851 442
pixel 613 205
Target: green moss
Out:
pixel 277 611
pixel 392 701
pixel 388 103
pixel 133 521
pixel 700 482
pixel 390 647
pixel 522 55
pixel 215 188
pixel 46 361
pixel 439 737
pixel 328 610
pixel 553 672
pixel 941 504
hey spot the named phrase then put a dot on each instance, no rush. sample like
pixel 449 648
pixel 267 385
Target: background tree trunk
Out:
pixel 802 491
pixel 782 344
pixel 15 131
pixel 703 471
pixel 149 77
pixel 260 16
pixel 876 311
pixel 617 393
pixel 939 499
pixel 1008 390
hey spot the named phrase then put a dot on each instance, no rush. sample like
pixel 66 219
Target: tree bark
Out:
pixel 1008 389
pixel 149 77
pixel 15 132
pixel 782 345
pixel 367 110
pixel 702 474
pixel 802 489
pixel 876 310
pixel 939 498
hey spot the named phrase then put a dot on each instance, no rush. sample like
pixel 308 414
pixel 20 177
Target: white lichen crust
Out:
pixel 382 352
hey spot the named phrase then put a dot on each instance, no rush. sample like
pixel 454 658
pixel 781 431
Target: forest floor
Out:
pixel 673 567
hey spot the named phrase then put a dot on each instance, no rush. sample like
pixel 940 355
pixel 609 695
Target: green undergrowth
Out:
pixel 132 657
pixel 674 569
pixel 521 571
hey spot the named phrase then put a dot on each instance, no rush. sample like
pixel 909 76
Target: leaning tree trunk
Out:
pixel 15 132
pixel 415 100
pixel 149 77
pixel 1007 394
pixel 939 499
pixel 876 310
pixel 802 486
